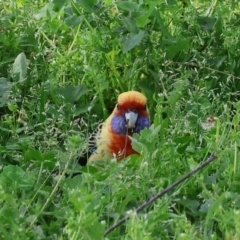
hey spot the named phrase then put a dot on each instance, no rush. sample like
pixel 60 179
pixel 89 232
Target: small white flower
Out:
pixel 132 213
pixel 209 123
pixel 103 222
pixel 145 164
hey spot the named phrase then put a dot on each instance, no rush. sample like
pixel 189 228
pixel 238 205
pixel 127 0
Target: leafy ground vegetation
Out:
pixel 62 65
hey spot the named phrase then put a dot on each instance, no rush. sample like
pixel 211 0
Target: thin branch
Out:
pixel 166 190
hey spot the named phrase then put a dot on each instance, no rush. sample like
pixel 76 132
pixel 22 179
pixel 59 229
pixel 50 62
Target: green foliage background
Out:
pixel 63 64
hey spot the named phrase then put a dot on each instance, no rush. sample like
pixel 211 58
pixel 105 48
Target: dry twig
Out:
pixel 166 190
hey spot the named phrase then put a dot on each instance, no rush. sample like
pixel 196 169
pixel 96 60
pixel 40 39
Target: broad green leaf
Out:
pixel 73 20
pixel 27 183
pixel 49 156
pixel 176 47
pixel 212 179
pixel 147 139
pixel 13 146
pixel 207 23
pixel 37 155
pixel 87 4
pixel 146 87
pixel 72 93
pixel 89 169
pixel 47 159
pixel 133 41
pixel 207 205
pixel 174 97
pixel 71 183
pixel 11 172
pixel 5 88
pixel 20 3
pixel 83 108
pixel 34 155
pixel 5 129
pixel 221 61
pixel 58 4
pixel 7 60
pixel 108 2
pixel 193 205
pixel 185 139
pixel 46 12
pixel 14 174
pixel 236 120
pixel 95 229
pixel 137 145
pixel 128 6
pixel 154 131
pixel 144 19
pixel 19 69
pixel 130 25
pixel 160 22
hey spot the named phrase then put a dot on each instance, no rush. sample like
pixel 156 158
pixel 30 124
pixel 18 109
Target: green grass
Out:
pixel 62 66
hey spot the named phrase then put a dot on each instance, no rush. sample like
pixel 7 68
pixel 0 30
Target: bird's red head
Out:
pixel 133 101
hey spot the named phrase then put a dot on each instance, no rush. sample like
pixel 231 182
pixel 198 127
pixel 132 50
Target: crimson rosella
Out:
pixel 130 116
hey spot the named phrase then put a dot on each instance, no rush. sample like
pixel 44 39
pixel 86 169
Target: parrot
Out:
pixel 111 139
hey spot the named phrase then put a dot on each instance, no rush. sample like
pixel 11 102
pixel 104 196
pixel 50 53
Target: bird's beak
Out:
pixel 131 118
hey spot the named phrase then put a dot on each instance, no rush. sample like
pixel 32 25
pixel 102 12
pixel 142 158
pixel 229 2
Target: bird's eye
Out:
pixel 118 107
pixel 145 108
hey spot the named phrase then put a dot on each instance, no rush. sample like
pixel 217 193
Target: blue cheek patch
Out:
pixel 119 123
pixel 142 122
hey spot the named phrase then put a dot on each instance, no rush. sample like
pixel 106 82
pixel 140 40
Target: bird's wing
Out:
pixel 91 146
